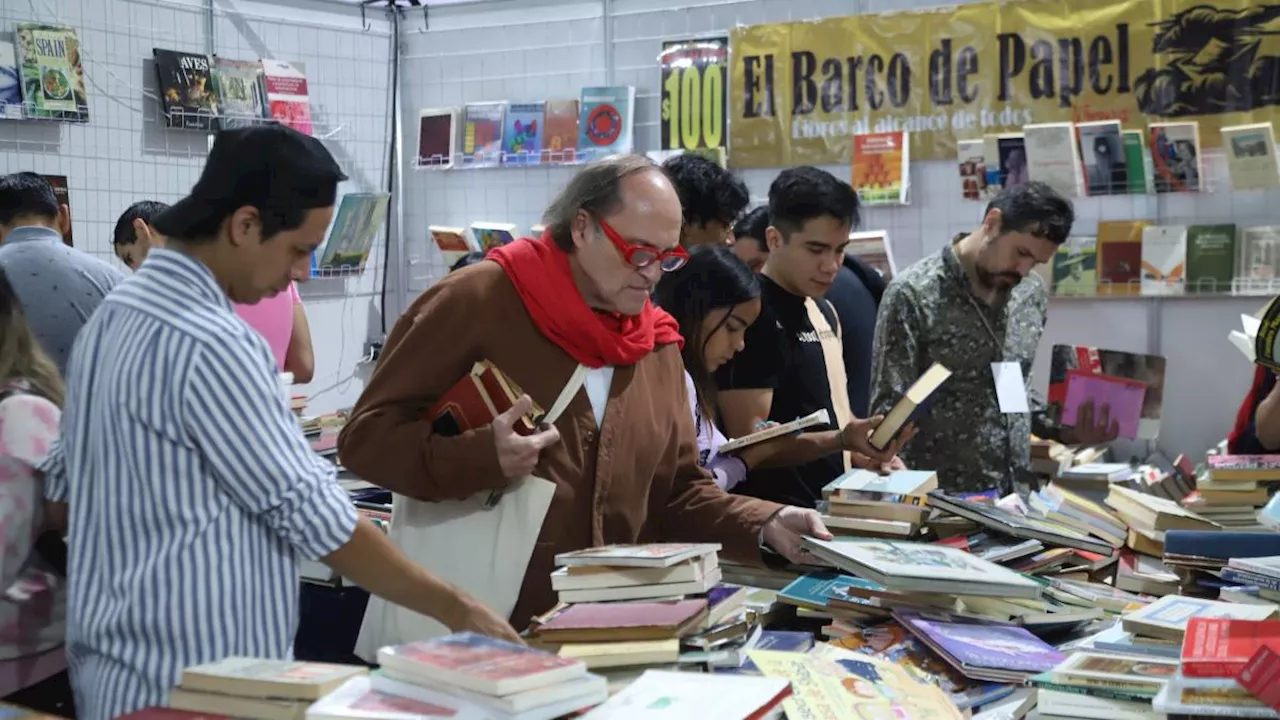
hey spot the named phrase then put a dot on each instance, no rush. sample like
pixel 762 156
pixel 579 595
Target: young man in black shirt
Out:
pixel 793 360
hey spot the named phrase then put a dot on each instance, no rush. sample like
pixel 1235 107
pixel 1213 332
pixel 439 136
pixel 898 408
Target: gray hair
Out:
pixel 597 189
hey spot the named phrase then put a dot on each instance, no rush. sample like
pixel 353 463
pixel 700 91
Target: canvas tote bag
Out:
pixel 481 544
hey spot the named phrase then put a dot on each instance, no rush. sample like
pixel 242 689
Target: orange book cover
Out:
pixel 560 131
pixel 1120 256
pixel 879 163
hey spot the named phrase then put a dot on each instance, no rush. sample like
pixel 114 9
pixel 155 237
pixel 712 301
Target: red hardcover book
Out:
pixel 1261 676
pixel 476 399
pixel 1220 647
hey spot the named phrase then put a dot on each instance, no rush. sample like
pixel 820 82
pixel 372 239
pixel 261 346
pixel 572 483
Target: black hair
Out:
pixel 144 210
pixel 470 258
pixel 708 192
pixel 713 279
pixel 1036 209
pixel 753 225
pixel 26 194
pixel 800 194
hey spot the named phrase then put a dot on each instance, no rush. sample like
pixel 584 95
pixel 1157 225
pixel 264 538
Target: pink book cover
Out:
pixel 380 702
pixel 481 657
pixel 1122 396
pixel 1244 462
pixel 595 616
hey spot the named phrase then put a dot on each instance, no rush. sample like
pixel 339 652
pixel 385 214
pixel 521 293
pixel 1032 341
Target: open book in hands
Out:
pixel 820 417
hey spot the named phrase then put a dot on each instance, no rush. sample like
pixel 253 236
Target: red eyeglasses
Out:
pixel 642 256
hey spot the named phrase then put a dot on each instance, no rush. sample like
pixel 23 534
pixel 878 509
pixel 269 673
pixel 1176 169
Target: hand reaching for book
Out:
pixel 477 617
pixel 856 437
pixel 783 532
pixel 862 461
pixel 518 454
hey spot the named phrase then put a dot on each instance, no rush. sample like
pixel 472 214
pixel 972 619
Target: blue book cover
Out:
pixel 605 124
pixel 522 137
pixel 1221 544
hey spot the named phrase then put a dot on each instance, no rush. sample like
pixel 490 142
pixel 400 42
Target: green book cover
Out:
pixel 1135 160
pixel 1075 267
pixel 1210 258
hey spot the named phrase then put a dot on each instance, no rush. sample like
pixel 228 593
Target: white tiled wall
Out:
pixel 126 154
pixel 534 49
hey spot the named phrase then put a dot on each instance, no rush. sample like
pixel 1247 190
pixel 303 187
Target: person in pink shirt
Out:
pixel 281 319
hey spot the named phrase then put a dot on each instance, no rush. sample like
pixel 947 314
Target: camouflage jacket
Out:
pixel 929 314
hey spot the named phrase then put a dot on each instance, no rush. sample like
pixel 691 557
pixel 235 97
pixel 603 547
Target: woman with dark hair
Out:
pixel 714 298
pixel 1257 426
pixel 32 562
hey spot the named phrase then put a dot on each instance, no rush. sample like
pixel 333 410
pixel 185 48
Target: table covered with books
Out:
pixel 1111 592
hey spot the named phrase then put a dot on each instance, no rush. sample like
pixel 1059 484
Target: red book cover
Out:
pixel 1220 647
pixel 1261 676
pixel 476 399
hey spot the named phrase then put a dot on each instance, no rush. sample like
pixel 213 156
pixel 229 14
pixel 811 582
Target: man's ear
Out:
pixel 773 238
pixel 245 226
pixel 991 223
pixel 64 219
pixel 580 229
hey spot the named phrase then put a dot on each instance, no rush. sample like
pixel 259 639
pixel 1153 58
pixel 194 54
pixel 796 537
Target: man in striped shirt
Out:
pixel 191 489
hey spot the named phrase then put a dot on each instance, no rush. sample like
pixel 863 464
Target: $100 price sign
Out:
pixel 694 93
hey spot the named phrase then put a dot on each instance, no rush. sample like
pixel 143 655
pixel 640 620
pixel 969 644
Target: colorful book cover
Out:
pixel 890 641
pixel 52 72
pixel 357 223
pixel 1147 369
pixel 840 684
pixel 1164 260
pixel 605 126
pixel 188 90
pixel 493 235
pixel 522 136
pixel 560 137
pixel 1122 396
pixel 288 98
pixel 984 645
pixel 1211 258
pixel 476 656
pixel 240 89
pixel 1175 157
pixel 10 83
pixel 452 243
pixel 880 162
pixel 815 589
pixel 1075 266
pixel 482 134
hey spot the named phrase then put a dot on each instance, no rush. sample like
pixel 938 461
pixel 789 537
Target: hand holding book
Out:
pixel 856 438
pixel 518 454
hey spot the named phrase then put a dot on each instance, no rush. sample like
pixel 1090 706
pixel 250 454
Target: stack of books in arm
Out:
pixel 865 503
pixel 258 689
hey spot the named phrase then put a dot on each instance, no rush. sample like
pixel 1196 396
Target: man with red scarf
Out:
pixel 623 456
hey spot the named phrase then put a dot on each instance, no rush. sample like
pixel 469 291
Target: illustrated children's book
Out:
pixel 351 238
pixel 490 235
pixel 605 127
pixel 482 134
pixel 522 136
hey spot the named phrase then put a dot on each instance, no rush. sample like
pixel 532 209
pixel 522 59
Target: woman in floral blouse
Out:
pixel 33 607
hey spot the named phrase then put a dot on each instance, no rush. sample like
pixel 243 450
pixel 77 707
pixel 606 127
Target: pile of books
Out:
pixel 628 608
pixel 245 687
pixel 1233 489
pixel 861 502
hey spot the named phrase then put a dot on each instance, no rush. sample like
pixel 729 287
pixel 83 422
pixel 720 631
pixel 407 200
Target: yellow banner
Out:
pixel 800 90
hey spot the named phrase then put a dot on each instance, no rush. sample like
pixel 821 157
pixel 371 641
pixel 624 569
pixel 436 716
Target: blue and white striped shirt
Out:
pixel 191 491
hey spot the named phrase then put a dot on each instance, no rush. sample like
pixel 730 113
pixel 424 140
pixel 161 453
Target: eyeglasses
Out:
pixel 642 256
